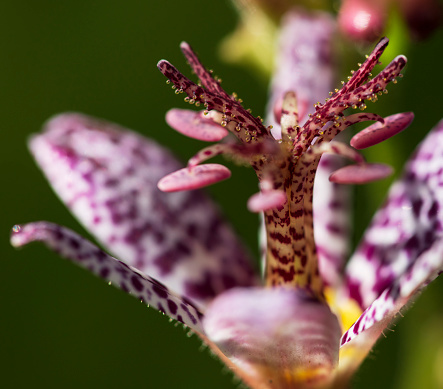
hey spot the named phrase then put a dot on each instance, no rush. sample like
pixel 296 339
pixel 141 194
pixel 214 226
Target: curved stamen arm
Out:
pixel 332 129
pixel 248 128
pixel 212 151
pixel 205 76
pixel 360 76
pixel 337 148
pixel 342 100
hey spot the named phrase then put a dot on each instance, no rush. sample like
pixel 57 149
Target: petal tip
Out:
pixel 15 231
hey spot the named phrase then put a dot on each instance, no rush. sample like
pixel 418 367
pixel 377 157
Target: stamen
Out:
pixel 352 94
pixel 193 178
pixel 212 98
pixel 336 148
pixel 195 125
pixel 361 174
pixel 266 200
pixel 378 132
pixel 210 152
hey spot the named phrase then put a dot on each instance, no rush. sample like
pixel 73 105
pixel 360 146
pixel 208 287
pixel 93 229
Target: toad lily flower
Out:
pixel 292 329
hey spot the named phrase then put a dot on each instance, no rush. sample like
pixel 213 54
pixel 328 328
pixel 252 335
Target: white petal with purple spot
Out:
pixel 83 253
pixel 408 224
pixel 108 178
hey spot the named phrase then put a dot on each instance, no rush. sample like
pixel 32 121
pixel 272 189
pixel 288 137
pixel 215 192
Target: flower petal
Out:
pixel 332 225
pixel 408 224
pixel 83 253
pixel 108 178
pixel 195 125
pixel 275 335
pixel 305 63
pixel 194 177
pixel 360 338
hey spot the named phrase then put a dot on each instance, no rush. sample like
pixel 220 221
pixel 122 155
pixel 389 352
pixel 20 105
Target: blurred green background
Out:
pixel 60 327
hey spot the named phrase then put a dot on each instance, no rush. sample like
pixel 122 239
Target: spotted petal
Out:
pixel 359 339
pixel 304 63
pixel 409 224
pixel 83 253
pixel 277 337
pixel 331 206
pixel 108 178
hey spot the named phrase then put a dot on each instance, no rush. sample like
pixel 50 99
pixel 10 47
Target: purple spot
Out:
pixel 74 243
pixel 136 283
pixel 111 183
pixel 433 211
pixel 228 281
pixel 160 292
pixel 104 272
pixel 354 291
pixel 172 307
pixel 416 206
pixel 202 289
pixel 185 308
pixel 412 243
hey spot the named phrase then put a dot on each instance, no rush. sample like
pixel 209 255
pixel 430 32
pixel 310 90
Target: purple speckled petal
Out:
pixel 83 253
pixel 194 177
pixel 361 174
pixel 108 178
pixel 305 63
pixel 195 125
pixel 275 335
pixel 332 224
pixel 408 224
pixel 361 336
pixel 379 132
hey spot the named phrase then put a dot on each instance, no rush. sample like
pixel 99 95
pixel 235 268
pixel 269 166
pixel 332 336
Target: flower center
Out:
pixel 285 167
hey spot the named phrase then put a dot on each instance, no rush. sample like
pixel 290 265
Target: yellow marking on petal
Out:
pixel 346 309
